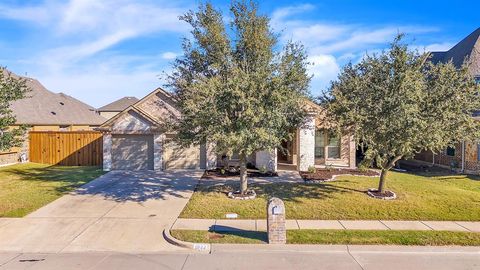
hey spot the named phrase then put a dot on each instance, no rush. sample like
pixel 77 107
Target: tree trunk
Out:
pixel 243 174
pixel 383 179
pixel 383 174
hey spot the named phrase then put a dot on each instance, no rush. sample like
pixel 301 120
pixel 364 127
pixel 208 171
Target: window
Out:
pixel 320 144
pixel 477 79
pixel 334 146
pixel 325 141
pixel 478 151
pixel 450 151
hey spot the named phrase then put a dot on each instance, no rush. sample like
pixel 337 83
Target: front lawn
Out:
pixel 27 187
pixel 337 237
pixel 421 196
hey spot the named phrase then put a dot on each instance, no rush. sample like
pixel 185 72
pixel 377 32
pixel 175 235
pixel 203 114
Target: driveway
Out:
pixel 117 212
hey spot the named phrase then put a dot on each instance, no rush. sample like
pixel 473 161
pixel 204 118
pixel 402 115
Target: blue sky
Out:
pixel 98 51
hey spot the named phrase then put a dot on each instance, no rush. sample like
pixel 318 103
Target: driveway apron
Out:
pixel 121 211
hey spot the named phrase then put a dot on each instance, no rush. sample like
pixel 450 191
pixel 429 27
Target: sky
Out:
pixel 101 50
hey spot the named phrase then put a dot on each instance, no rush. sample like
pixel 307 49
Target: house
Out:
pixel 44 110
pixel 110 110
pixel 134 140
pixel 465 156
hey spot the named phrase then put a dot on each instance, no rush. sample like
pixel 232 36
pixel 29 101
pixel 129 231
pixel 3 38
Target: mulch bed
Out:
pixel 323 175
pixel 217 173
pixel 386 195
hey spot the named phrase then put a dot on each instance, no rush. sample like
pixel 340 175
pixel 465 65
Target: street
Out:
pixel 260 257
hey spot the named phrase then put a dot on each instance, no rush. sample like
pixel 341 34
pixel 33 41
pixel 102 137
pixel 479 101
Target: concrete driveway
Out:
pixel 117 212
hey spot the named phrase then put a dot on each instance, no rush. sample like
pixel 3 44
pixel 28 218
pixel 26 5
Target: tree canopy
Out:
pixel 235 86
pixel 11 89
pixel 399 103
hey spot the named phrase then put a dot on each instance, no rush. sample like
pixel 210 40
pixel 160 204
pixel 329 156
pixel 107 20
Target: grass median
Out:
pixel 337 237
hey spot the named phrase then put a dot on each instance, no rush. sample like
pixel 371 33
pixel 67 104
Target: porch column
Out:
pixel 211 156
pixel 266 159
pixel 306 144
pixel 352 162
pixel 107 152
pixel 158 151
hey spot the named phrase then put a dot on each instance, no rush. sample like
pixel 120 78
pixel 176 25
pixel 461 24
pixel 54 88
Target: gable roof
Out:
pixel 43 107
pixel 118 105
pixel 469 47
pixel 143 110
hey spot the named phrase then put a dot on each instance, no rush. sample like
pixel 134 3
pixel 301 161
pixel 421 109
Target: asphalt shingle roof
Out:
pixel 43 107
pixel 118 105
pixel 468 47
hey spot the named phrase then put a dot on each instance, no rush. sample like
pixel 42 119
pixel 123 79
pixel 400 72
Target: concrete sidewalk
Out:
pixel 292 224
pixel 280 257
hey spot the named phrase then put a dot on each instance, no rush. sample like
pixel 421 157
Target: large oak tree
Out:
pixel 236 86
pixel 398 103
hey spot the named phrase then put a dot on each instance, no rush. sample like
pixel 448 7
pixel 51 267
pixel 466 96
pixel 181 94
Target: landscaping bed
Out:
pixel 337 237
pixel 323 175
pixel 221 173
pixel 29 186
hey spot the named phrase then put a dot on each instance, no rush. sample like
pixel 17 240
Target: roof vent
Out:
pixel 54 113
pixel 61 103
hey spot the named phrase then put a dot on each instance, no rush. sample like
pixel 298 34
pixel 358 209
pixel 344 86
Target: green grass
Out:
pixel 338 237
pixel 420 197
pixel 27 187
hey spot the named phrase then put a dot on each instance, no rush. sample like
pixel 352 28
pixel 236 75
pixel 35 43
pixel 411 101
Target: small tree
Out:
pixel 11 88
pixel 398 103
pixel 234 88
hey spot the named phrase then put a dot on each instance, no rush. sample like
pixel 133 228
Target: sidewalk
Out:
pixel 292 224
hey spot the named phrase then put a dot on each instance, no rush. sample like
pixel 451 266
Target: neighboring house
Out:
pixel 44 110
pixel 110 110
pixel 466 155
pixel 134 140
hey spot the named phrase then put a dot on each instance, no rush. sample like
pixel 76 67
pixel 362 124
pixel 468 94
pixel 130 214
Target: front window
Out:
pixel 320 144
pixel 334 146
pixel 450 151
pixel 327 143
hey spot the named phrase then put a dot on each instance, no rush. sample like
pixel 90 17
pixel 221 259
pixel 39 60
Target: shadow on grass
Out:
pixel 68 177
pixel 224 231
pixel 435 172
pixel 286 191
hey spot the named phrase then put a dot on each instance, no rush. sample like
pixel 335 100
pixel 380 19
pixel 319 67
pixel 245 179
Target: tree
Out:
pixel 11 88
pixel 233 87
pixel 399 103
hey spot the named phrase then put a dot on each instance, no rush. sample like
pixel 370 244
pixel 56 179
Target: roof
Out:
pixel 155 107
pixel 469 47
pixel 118 105
pixel 43 107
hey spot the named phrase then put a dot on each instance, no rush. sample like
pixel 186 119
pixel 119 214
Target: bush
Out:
pixel 311 169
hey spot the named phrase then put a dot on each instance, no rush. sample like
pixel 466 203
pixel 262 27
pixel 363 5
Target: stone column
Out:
pixel 306 144
pixel 352 162
pixel 267 159
pixel 107 152
pixel 211 156
pixel 158 151
pixel 276 227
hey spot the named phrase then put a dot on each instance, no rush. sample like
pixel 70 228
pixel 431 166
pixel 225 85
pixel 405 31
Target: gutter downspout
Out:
pixel 463 156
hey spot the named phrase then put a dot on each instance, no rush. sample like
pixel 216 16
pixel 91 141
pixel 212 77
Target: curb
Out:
pixel 199 247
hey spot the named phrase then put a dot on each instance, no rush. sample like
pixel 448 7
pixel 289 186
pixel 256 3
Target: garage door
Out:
pixel 177 157
pixel 132 152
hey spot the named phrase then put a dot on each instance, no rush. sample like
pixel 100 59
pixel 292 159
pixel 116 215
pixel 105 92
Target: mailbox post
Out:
pixel 277 232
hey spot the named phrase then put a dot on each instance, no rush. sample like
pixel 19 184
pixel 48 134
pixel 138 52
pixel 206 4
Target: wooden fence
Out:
pixel 67 148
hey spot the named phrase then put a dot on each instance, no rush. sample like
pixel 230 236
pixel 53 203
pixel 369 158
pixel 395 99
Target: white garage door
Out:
pixel 176 157
pixel 132 152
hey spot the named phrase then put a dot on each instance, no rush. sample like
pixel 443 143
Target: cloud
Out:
pixel 324 69
pixel 169 55
pixel 445 46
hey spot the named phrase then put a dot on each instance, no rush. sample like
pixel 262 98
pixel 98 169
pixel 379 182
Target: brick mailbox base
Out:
pixel 277 231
